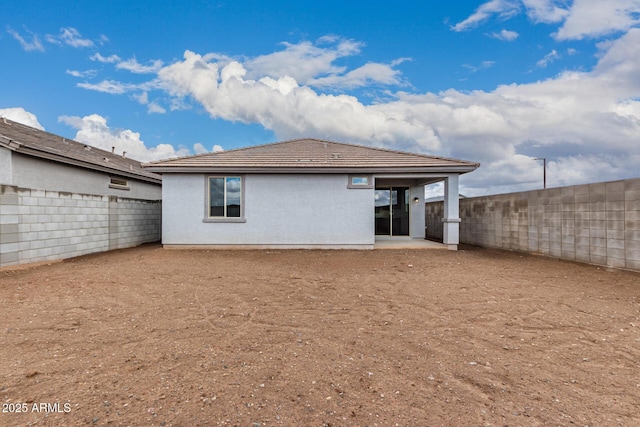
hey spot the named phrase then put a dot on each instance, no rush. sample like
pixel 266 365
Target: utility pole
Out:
pixel 544 170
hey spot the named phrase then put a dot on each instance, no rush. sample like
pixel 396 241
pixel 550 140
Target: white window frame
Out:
pixel 368 184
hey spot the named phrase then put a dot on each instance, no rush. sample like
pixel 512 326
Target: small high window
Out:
pixel 360 181
pixel 118 183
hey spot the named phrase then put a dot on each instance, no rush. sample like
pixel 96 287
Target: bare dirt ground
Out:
pixel 478 337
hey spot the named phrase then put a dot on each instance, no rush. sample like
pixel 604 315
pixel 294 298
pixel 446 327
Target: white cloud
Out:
pixel 574 118
pixel 34 44
pixel 579 19
pixel 588 19
pixel 21 115
pixel 502 8
pixel 591 168
pixel 154 107
pixel 72 37
pixel 571 113
pixel 314 65
pixel 505 35
pixel 69 36
pixel 179 104
pixel 93 130
pixel 620 63
pixel 142 98
pixel 52 39
pixel 199 148
pixel 109 86
pixel 105 59
pixel 133 66
pixel 280 105
pixel 483 66
pixel 217 148
pixel 303 61
pixel 368 74
pixel 85 74
pixel 524 172
pixel 548 58
pixel 546 11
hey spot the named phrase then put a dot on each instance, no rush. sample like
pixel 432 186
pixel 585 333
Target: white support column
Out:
pixel 451 220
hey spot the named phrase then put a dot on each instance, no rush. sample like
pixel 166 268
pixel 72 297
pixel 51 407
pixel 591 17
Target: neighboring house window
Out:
pixel 225 197
pixel 360 181
pixel 119 183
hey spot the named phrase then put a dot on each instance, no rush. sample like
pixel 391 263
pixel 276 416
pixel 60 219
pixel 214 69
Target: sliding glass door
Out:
pixel 383 212
pixel 392 211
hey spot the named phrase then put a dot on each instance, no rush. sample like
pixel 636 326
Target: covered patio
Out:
pixel 400 211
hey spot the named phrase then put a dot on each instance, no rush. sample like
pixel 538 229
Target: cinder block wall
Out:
pixel 38 225
pixel 595 223
pixel 133 222
pixel 434 212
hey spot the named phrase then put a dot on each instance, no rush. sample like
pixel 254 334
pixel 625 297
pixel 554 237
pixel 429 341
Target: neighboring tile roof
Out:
pixel 311 155
pixel 34 142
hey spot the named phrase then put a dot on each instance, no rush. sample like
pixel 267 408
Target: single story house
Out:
pixel 60 198
pixel 303 193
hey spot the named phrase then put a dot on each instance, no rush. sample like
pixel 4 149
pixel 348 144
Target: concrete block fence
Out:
pixel 594 223
pixel 38 225
pixel 133 222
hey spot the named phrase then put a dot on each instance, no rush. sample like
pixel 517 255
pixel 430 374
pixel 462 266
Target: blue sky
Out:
pixel 500 81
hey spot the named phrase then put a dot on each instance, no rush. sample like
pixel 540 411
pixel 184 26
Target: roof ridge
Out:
pixel 268 144
pixel 233 150
pixel 390 150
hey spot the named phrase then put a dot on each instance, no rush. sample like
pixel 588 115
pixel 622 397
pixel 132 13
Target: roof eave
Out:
pixel 67 160
pixel 9 143
pixel 311 170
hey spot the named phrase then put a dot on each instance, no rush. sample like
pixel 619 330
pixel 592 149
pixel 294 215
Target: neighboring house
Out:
pixel 60 198
pixel 304 193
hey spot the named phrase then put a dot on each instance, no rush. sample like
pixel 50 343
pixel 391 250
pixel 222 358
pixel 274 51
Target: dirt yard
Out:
pixel 156 337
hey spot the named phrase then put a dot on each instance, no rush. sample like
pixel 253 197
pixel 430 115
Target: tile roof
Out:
pixel 34 142
pixel 311 155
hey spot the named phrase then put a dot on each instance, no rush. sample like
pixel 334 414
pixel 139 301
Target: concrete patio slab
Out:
pixel 401 242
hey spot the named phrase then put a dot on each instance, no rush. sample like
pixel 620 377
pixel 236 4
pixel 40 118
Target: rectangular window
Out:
pixel 225 197
pixel 119 183
pixel 360 181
